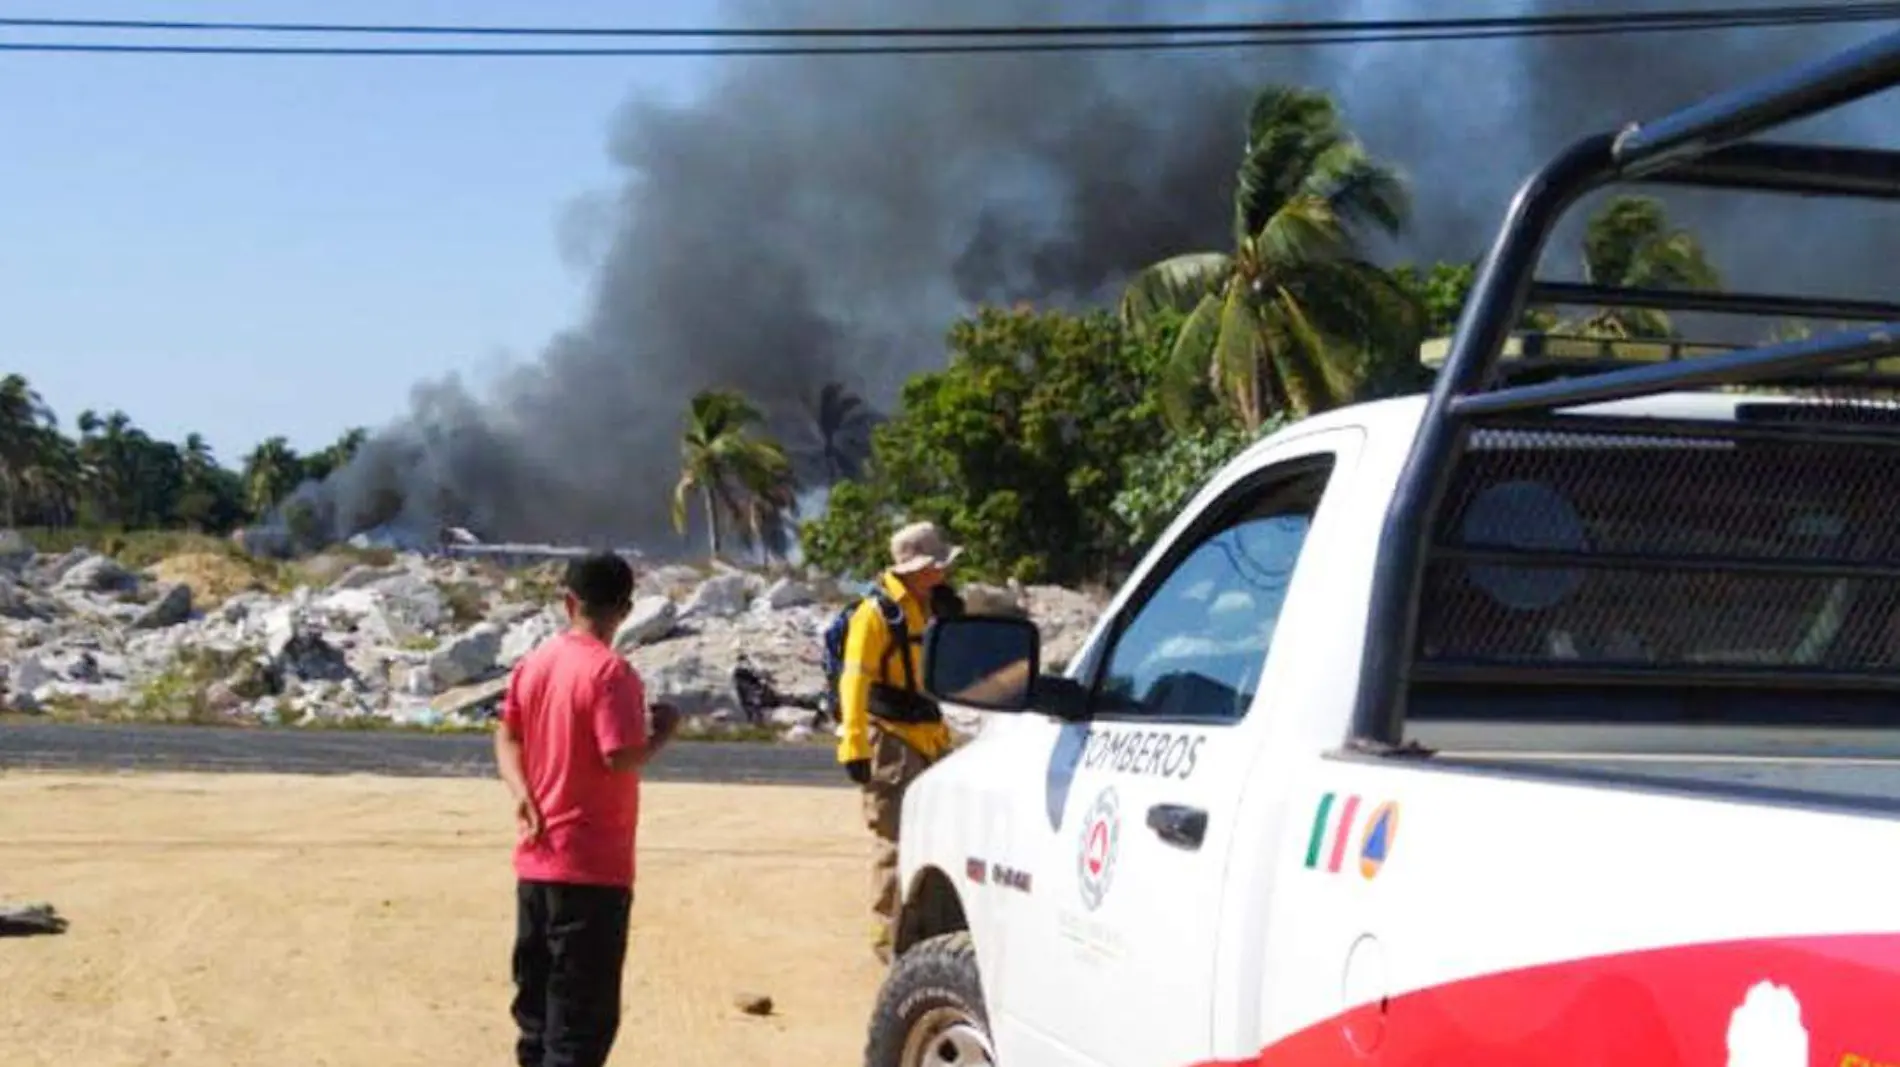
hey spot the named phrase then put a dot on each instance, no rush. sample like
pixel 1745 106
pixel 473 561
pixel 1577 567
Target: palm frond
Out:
pixel 1184 377
pixel 1363 194
pixel 1303 230
pixel 1178 283
pixel 1288 129
pixel 1240 358
pixel 1326 365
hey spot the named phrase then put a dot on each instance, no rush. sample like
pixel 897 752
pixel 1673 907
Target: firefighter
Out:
pixel 890 731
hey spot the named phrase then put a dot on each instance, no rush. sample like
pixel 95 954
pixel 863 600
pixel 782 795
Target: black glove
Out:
pixel 859 770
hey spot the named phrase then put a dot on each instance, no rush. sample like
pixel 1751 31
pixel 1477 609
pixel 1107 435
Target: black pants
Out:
pixel 570 945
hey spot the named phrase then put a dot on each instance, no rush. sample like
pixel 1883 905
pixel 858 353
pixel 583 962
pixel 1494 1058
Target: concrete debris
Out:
pixel 30 920
pixel 426 641
pixel 753 1003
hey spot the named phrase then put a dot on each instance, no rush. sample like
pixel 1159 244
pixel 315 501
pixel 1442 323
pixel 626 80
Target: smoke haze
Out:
pixel 820 219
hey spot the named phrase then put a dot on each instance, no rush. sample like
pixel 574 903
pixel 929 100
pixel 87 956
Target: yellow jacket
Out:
pixel 868 659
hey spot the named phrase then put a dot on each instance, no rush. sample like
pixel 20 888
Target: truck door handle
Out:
pixel 1178 825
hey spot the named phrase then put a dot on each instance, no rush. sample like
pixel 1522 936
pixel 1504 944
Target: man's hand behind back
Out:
pixel 528 822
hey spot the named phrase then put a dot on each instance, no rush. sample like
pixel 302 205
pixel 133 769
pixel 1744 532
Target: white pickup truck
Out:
pixel 1537 721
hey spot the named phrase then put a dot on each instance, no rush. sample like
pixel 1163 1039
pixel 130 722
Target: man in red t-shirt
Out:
pixel 572 740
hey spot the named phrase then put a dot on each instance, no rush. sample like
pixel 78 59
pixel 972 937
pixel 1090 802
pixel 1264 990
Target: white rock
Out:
pixel 280 627
pixel 412 603
pixel 652 619
pixel 368 611
pixel 26 677
pixel 466 656
pixel 669 581
pixel 786 593
pixel 97 574
pixel 525 636
pixel 722 596
pixel 693 685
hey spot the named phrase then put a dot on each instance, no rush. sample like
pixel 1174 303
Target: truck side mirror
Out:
pixel 987 662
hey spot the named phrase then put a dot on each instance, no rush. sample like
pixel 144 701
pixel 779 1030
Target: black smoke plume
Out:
pixel 819 219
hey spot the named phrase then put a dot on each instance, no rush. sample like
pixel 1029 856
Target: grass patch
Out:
pixel 218 564
pixel 134 548
pixel 540 583
pixel 467 602
pixel 71 708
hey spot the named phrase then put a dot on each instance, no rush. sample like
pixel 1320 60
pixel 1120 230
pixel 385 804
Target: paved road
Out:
pixel 194 748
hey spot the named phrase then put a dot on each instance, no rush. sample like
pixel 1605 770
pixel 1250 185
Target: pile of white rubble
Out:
pixel 419 642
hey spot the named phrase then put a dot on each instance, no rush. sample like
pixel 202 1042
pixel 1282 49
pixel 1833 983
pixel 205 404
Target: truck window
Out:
pixel 1704 577
pixel 1193 642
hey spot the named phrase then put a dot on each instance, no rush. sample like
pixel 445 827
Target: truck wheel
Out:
pixel 930 1010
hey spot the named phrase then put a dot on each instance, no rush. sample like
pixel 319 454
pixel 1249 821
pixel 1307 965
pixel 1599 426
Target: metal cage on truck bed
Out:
pixel 1733 553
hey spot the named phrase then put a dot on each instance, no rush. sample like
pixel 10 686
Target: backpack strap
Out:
pixel 893 614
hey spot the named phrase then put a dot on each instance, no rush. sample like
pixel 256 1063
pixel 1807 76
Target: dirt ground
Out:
pixel 360 921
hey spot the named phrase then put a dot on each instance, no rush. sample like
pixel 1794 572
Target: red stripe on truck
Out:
pixel 1789 1002
pixel 1343 834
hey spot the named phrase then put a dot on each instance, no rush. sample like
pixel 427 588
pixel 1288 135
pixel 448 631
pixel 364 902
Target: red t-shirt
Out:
pixel 572 702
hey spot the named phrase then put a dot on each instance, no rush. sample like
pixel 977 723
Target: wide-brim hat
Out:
pixel 919 546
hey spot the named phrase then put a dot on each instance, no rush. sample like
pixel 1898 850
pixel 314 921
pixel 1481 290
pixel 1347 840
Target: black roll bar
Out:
pixel 1741 113
pixel 1764 304
pixel 1697 146
pixel 1801 169
pixel 1767 363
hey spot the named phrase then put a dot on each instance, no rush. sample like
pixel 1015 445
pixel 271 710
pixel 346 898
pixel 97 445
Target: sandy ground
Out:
pixel 358 921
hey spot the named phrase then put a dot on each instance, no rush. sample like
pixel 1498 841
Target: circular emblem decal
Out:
pixel 1101 839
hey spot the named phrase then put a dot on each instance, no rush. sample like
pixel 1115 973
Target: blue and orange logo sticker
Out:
pixel 1334 825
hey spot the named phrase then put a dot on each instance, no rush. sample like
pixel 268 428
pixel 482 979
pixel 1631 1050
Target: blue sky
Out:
pixel 246 246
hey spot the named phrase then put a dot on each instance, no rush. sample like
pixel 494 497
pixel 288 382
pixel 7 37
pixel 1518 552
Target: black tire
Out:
pixel 936 980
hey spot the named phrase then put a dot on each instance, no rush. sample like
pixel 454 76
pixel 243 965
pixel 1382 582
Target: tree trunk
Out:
pixel 712 519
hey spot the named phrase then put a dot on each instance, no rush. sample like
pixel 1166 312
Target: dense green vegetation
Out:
pixel 110 474
pixel 1055 445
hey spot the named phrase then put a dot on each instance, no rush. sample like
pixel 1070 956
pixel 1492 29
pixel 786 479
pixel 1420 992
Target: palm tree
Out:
pixel 736 474
pixel 197 501
pixel 842 422
pixel 1291 316
pixel 770 502
pixel 271 471
pixel 321 464
pixel 110 451
pixel 55 480
pixel 1630 244
pixel 23 418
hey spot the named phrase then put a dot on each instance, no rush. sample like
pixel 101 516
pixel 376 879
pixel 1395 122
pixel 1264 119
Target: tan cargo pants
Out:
pixel 894 765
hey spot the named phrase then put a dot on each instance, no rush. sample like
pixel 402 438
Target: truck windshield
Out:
pixel 1590 572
